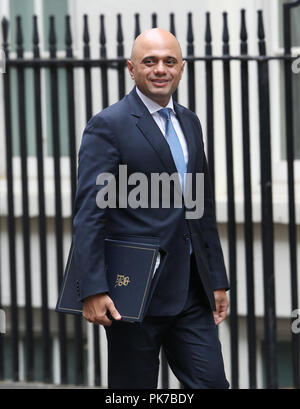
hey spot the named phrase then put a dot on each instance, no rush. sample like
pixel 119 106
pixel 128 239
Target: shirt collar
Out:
pixel 153 106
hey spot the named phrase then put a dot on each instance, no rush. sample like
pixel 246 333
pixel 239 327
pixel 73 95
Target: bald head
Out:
pixel 155 38
pixel 156 64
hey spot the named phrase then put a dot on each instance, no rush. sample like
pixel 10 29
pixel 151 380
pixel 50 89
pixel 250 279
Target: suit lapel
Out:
pixel 154 136
pixel 152 133
pixel 147 125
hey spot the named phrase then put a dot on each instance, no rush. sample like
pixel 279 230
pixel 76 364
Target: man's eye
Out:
pixel 170 62
pixel 148 61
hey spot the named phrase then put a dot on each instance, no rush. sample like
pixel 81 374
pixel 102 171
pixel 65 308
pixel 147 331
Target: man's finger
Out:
pixel 102 320
pixel 223 314
pixel 113 311
pixel 220 316
pixel 105 321
pixel 216 317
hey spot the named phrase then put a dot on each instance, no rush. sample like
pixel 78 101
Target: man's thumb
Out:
pixel 114 312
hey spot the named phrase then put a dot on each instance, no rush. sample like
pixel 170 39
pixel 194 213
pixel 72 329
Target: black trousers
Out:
pixel 189 340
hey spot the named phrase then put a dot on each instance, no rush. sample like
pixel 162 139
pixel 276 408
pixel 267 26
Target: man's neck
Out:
pixel 151 103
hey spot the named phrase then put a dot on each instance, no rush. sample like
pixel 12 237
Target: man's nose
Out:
pixel 160 68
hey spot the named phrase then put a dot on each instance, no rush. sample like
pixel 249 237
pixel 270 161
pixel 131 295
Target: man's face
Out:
pixel 156 68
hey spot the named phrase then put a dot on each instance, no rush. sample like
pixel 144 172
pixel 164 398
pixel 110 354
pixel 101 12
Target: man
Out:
pixel 150 133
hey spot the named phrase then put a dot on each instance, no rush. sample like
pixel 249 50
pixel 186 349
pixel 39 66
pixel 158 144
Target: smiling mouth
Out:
pixel 159 83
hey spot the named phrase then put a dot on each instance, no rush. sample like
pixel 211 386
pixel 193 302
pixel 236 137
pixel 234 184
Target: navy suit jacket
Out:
pixel 125 133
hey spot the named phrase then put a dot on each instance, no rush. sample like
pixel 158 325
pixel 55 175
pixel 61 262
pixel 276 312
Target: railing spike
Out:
pixel 68 38
pixel 190 36
pixel 225 36
pixel 208 38
pixel 172 24
pixel 120 47
pixel 102 38
pixel 137 25
pixel 261 30
pixel 154 20
pixel 52 37
pixel 261 34
pixel 243 33
pixel 86 37
pixel 5 28
pixel 19 38
pixel 35 38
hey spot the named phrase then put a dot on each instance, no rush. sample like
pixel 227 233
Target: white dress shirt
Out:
pixel 153 107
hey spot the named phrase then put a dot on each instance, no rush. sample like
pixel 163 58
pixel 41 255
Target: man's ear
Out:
pixel 182 67
pixel 130 68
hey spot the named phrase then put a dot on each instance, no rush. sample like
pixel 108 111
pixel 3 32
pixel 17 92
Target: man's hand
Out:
pixel 222 305
pixel 95 308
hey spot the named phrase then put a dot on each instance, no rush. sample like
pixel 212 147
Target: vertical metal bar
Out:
pixel 1 306
pixel 191 65
pixel 120 54
pixel 137 30
pixel 173 31
pixel 267 212
pixel 248 227
pixel 209 105
pixel 104 81
pixel 10 204
pixel 89 110
pixel 29 342
pixel 164 371
pixel 58 205
pixel 1 255
pixel 230 210
pixel 46 344
pixel 97 357
pixel 87 70
pixel 172 24
pixel 154 20
pixel 78 338
pixel 289 130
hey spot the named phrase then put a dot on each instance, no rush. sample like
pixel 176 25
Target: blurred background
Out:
pixel 64 62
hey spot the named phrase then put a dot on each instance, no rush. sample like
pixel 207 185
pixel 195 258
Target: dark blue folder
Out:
pixel 129 268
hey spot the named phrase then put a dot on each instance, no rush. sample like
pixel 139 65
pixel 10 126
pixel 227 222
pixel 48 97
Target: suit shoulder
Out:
pixel 190 114
pixel 187 111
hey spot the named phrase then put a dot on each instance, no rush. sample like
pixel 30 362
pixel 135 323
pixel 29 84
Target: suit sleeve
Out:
pixel 208 226
pixel 98 153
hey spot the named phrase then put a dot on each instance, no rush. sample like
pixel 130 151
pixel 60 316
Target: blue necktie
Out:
pixel 173 141
pixel 175 146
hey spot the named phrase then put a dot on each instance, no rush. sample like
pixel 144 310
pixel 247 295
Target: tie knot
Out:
pixel 165 113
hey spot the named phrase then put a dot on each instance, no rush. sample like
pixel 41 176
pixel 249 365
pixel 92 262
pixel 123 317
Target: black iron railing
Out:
pixel 104 64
